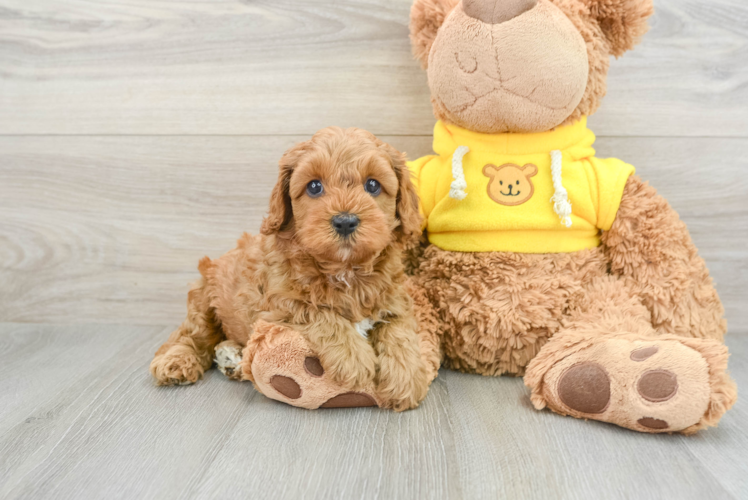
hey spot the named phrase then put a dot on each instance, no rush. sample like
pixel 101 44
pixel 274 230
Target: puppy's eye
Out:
pixel 518 183
pixel 373 187
pixel 315 189
pixel 501 183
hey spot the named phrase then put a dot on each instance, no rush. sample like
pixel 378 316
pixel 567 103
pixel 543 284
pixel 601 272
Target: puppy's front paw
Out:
pixel 402 386
pixel 179 365
pixel 352 369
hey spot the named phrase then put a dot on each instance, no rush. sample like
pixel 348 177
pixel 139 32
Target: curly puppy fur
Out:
pixel 301 273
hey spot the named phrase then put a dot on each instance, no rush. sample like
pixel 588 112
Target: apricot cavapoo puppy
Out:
pixel 315 310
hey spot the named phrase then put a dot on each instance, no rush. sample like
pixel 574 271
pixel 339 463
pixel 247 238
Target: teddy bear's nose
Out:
pixel 496 11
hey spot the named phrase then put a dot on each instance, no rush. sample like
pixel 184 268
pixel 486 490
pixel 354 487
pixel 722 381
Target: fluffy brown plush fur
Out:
pixel 640 307
pixel 518 314
pixel 301 275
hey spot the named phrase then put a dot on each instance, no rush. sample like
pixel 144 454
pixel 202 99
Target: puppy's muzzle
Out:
pixel 345 224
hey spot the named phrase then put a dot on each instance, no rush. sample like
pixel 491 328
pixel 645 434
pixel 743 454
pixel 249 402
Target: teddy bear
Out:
pixel 542 260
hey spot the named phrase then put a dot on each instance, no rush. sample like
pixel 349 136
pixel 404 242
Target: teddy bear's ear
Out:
pixel 623 22
pixel 426 16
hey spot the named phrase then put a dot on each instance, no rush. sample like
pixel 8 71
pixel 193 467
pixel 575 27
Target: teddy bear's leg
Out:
pixel 651 249
pixel 430 329
pixel 282 366
pixel 608 363
pixel 189 350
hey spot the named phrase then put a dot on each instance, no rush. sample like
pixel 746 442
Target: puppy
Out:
pixel 328 263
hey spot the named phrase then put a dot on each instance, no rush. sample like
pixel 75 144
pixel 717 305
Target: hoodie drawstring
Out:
pixel 560 198
pixel 458 185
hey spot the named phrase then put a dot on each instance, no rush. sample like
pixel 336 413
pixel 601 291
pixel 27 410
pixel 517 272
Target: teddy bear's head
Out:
pixel 521 65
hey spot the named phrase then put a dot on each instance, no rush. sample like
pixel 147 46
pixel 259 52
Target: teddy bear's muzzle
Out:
pixel 496 11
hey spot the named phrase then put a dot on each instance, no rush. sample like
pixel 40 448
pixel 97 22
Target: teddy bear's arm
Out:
pixel 651 248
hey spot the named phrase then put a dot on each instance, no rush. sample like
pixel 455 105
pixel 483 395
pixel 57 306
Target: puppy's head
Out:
pixel 343 196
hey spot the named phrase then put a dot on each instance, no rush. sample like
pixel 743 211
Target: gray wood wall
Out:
pixel 134 139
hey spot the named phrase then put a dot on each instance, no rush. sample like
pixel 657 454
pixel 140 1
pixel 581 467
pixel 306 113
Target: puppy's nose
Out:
pixel 345 223
pixel 496 11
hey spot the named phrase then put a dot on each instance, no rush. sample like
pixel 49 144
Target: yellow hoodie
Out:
pixel 527 193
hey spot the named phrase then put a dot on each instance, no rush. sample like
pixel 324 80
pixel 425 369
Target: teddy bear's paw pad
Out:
pixel 657 385
pixel 350 400
pixel 585 387
pixel 286 386
pixel 313 367
pixel 652 423
pixel 228 359
pixel 287 370
pixel 648 385
pixel 643 353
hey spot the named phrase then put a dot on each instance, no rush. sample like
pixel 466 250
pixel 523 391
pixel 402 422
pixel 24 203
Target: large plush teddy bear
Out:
pixel 544 260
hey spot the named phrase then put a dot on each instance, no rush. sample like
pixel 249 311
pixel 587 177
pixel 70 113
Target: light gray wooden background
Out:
pixel 137 136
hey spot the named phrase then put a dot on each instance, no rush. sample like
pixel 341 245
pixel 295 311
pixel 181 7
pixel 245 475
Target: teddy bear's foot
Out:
pixel 283 367
pixel 648 384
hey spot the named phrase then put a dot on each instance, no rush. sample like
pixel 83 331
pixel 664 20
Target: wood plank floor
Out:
pixel 137 136
pixel 82 419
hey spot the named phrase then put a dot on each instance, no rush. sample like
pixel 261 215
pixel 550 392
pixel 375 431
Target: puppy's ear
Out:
pixel 409 231
pixel 426 16
pixel 280 211
pixel 623 22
